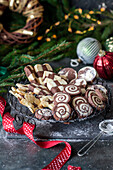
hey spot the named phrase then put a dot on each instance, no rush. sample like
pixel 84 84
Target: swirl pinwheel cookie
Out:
pixel 100 90
pixel 82 107
pixel 72 89
pixel 61 97
pixel 83 110
pixel 94 100
pixel 78 99
pixel 61 111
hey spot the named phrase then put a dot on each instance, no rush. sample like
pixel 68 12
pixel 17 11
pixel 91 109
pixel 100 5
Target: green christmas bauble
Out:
pixel 88 49
pixel 109 44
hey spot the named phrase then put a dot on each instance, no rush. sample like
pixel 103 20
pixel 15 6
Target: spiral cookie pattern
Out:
pixel 100 90
pixel 94 100
pixel 78 99
pixel 43 114
pixel 72 89
pixel 61 97
pixel 83 110
pixel 61 111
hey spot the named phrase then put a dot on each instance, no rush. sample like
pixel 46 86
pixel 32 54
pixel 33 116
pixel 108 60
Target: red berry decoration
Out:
pixel 103 64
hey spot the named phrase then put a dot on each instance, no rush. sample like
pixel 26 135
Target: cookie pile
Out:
pixel 58 95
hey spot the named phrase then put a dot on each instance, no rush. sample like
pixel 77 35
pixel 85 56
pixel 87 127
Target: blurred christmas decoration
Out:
pixel 87 49
pixel 59 34
pixel 109 44
pixel 103 64
pixel 3 5
pixel 34 13
pixel 15 70
pixel 3 73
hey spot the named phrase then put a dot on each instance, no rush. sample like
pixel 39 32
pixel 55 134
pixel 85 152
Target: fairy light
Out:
pixel 102 9
pixel 93 19
pixel 91 12
pixel 69 26
pixel 66 17
pixel 78 32
pixel 47 31
pixel 98 22
pixel 84 32
pixel 80 10
pixel 57 23
pixel 88 16
pixel 76 17
pixel 39 38
pixel 91 28
pixel 54 36
pixel 48 39
pixel 70 29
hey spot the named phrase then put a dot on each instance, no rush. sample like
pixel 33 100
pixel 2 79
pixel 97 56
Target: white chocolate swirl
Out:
pixel 95 101
pixel 72 89
pixel 83 110
pixel 78 99
pixel 62 111
pixel 61 97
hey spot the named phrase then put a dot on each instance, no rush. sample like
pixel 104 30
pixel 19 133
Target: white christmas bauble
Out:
pixel 87 50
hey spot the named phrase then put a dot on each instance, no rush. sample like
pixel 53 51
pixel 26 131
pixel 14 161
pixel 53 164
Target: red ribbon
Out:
pixel 27 129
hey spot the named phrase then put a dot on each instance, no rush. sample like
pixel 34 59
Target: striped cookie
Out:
pixel 39 69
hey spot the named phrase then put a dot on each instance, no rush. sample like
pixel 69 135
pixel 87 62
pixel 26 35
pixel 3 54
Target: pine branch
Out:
pixel 52 50
pixel 6 84
pixel 12 77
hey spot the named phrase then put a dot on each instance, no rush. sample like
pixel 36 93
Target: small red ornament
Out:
pixel 103 64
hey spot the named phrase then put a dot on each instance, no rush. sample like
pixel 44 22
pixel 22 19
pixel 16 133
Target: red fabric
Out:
pixel 73 168
pixel 27 129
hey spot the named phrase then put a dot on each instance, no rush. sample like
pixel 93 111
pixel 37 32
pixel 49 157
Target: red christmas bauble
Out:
pixel 103 64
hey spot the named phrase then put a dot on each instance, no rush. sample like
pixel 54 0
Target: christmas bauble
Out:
pixel 103 64
pixel 109 44
pixel 88 49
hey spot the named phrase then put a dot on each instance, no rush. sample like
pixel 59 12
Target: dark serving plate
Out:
pixel 22 113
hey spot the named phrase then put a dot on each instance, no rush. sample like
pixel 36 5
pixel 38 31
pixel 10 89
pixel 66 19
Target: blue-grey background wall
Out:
pixel 91 4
